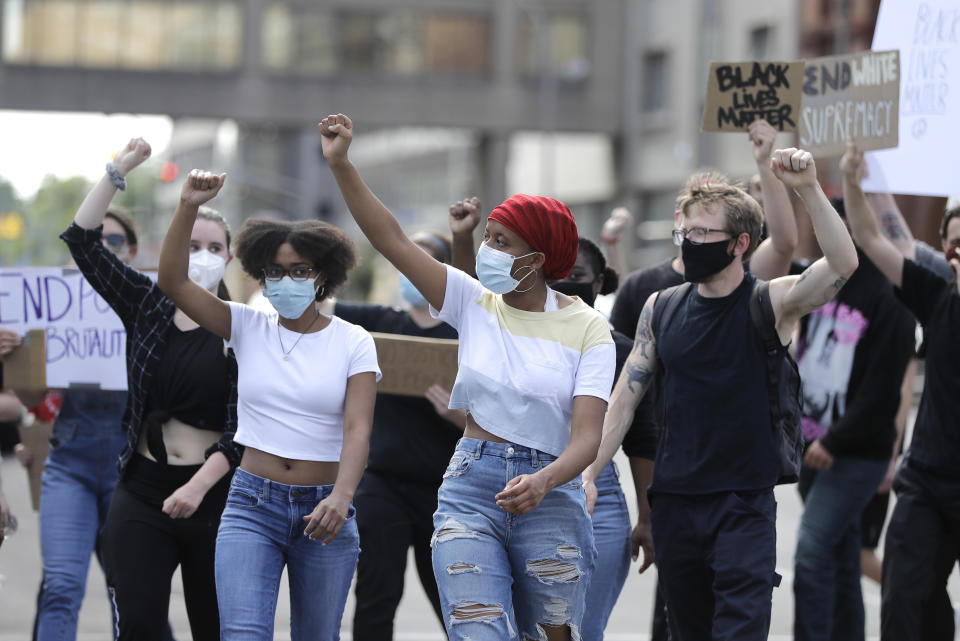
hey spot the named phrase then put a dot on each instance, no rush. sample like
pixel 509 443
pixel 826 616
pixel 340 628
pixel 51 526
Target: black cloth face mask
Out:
pixel 584 291
pixel 702 261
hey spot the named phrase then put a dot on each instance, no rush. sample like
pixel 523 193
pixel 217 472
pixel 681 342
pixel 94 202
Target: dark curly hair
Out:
pixel 611 280
pixel 326 247
pixel 948 215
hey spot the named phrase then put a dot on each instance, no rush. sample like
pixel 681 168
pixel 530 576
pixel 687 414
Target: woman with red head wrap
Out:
pixel 535 372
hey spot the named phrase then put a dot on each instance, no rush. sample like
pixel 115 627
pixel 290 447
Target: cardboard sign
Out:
pixel 855 96
pixel 740 92
pixel 25 368
pixel 85 340
pixel 411 364
pixel 927 33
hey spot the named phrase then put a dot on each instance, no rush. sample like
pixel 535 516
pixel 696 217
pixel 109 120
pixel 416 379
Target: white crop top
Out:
pixel 294 408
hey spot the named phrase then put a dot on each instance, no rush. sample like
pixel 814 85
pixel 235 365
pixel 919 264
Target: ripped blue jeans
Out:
pixel 507 576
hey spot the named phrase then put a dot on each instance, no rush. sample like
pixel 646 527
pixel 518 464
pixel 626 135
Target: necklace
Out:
pixel 286 353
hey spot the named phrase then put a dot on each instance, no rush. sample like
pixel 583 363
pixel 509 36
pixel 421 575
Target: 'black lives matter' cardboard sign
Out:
pixel 853 96
pixel 740 92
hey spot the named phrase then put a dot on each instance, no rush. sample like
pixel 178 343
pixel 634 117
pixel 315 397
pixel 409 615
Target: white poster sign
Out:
pixel 86 342
pixel 927 33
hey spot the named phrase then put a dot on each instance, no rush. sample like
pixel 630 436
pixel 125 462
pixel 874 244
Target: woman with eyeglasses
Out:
pixel 513 548
pixel 307 384
pixel 178 424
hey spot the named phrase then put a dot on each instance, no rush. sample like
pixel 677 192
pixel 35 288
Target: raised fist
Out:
pixel 762 135
pixel 201 186
pixel 337 132
pixel 851 163
pixel 465 216
pixel 136 151
pixel 620 219
pixel 794 167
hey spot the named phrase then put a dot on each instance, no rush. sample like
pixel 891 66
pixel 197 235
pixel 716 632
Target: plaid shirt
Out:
pixel 147 314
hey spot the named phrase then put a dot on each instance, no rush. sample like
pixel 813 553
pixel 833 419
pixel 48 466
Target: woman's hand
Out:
pixel 201 186
pixel 128 158
pixel 337 132
pixel 184 501
pixel 8 341
pixel 523 493
pixel 464 216
pixel 590 493
pixel 327 518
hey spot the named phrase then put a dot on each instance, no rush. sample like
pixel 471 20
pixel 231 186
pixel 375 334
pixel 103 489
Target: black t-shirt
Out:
pixel 718 436
pixel 853 353
pixel 936 434
pixel 410 441
pixel 642 438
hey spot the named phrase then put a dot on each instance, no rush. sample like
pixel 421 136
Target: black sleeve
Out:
pixel 366 315
pixel 226 445
pixel 920 290
pixel 626 312
pixel 873 392
pixel 125 289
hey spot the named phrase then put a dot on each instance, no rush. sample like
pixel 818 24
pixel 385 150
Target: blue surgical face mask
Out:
pixel 494 269
pixel 289 297
pixel 410 293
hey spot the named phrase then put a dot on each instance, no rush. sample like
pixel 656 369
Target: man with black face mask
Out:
pixel 713 514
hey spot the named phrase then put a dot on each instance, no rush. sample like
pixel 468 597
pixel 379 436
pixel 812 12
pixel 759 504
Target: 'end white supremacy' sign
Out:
pixel 86 342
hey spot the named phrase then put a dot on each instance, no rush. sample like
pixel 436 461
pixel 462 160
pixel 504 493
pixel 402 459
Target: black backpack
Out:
pixel 783 376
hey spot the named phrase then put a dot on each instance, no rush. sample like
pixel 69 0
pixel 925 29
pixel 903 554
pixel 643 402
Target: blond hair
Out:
pixel 743 213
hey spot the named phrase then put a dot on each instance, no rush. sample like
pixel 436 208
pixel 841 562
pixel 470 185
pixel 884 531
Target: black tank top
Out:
pixel 718 436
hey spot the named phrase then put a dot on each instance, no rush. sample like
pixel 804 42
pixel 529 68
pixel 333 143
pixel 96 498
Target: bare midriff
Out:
pixel 475 431
pixel 185 444
pixel 288 470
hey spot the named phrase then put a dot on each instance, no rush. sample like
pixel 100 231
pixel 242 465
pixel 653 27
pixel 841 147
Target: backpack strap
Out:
pixel 666 305
pixel 764 320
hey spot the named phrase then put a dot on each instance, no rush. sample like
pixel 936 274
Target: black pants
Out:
pixel 922 546
pixel 716 560
pixel 392 515
pixel 142 548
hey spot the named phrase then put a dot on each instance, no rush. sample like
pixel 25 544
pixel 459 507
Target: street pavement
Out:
pixel 630 621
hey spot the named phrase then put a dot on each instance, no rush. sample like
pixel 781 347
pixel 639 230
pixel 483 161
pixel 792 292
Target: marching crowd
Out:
pixel 252 438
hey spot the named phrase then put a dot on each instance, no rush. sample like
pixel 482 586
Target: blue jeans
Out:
pixel 261 530
pixel 501 575
pixel 826 582
pixel 78 482
pixel 611 533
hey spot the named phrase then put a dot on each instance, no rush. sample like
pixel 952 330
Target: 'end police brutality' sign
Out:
pixel 85 339
pixel 853 96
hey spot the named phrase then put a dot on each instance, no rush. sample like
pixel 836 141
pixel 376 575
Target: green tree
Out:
pixel 48 213
pixel 10 204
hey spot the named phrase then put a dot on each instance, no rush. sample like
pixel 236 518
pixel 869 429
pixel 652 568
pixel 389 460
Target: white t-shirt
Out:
pixel 518 370
pixel 294 408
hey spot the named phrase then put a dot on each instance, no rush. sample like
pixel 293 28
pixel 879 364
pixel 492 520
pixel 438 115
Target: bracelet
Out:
pixel 118 181
pixel 610 240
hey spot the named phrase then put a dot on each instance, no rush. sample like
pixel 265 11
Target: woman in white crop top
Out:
pixel 513 546
pixel 306 389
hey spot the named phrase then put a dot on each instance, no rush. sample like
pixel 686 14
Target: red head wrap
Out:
pixel 548 227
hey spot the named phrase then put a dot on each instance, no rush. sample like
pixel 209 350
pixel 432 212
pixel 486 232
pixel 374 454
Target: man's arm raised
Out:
pixel 795 296
pixel 773 256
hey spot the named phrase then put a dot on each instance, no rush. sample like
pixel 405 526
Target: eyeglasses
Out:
pixel 115 241
pixel 298 273
pixel 696 235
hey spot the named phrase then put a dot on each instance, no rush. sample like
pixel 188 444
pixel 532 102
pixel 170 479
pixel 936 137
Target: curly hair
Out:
pixel 742 211
pixel 950 214
pixel 590 250
pixel 324 246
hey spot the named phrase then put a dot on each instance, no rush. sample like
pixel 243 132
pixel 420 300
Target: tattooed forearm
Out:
pixel 637 377
pixel 893 226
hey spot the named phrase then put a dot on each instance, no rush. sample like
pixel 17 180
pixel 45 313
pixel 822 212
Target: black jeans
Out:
pixel 392 515
pixel 716 560
pixel 142 548
pixel 922 546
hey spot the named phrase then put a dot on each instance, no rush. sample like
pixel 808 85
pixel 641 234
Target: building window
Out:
pixel 653 88
pixel 124 34
pixel 555 43
pixel 759 43
pixel 306 39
